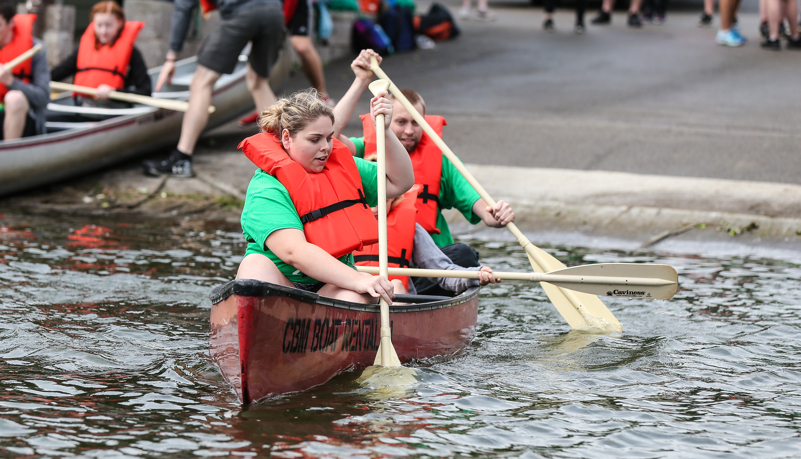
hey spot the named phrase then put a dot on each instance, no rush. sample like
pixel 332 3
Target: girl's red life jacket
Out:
pixel 400 238
pixel 22 41
pixel 331 204
pixel 427 164
pixel 107 64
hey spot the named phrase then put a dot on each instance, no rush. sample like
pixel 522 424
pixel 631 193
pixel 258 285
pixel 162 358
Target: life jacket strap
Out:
pixel 401 261
pixel 113 71
pixel 322 212
pixel 425 195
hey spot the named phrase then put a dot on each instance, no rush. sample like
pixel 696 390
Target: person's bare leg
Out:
pixel 259 87
pixel 332 291
pixel 774 18
pixel 634 8
pixel 791 13
pixel 310 62
pixel 257 266
pixel 726 8
pixel 763 11
pixel 607 5
pixel 709 7
pixel 16 107
pixel 197 115
pixel 482 5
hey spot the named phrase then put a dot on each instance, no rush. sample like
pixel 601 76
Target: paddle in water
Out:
pixel 386 355
pixel 580 310
pixel 628 280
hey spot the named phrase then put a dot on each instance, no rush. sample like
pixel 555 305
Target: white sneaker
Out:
pixel 464 14
pixel 485 16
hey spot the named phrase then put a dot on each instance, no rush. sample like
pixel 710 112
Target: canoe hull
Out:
pixel 268 339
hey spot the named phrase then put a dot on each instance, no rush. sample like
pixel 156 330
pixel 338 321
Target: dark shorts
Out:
pixel 30 125
pixel 301 22
pixel 262 25
pixel 314 288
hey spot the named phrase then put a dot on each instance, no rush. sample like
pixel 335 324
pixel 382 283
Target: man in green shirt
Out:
pixel 455 191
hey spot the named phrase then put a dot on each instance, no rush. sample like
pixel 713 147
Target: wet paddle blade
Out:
pixel 394 361
pixel 581 311
pixel 630 280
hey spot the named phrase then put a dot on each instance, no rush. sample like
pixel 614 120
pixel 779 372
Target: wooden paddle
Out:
pixel 169 104
pixel 631 280
pixel 23 57
pixel 386 355
pixel 580 310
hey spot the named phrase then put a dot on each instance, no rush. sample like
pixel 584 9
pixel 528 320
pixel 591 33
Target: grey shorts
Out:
pixel 263 25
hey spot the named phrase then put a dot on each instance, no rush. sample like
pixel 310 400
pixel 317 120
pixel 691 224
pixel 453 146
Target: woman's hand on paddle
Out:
pixel 376 286
pixel 103 91
pixel 361 65
pixel 501 215
pixel 6 77
pixel 167 71
pixel 485 276
pixel 381 105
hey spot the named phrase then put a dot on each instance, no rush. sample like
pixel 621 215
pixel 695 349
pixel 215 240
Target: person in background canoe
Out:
pixel 106 58
pixel 410 246
pixel 24 90
pixel 260 22
pixel 298 20
pixel 307 206
pixel 443 187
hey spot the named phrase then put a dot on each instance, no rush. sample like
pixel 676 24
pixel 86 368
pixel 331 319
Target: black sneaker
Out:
pixel 176 164
pixel 764 30
pixel 794 44
pixel 634 20
pixel 603 18
pixel 548 25
pixel 705 21
pixel 579 29
pixel 773 45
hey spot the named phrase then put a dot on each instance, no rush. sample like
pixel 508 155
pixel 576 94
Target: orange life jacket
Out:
pixel 427 164
pixel 331 204
pixel 400 238
pixel 22 41
pixel 108 64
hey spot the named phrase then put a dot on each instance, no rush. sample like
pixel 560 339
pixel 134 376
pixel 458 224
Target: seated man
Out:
pixel 442 186
pixel 25 89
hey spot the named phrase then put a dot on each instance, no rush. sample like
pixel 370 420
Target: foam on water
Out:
pixel 104 352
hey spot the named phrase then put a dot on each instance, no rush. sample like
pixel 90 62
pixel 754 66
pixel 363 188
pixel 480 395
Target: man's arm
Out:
pixel 38 90
pixel 344 109
pixel 179 24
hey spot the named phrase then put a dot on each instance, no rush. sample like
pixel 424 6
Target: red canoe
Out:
pixel 270 339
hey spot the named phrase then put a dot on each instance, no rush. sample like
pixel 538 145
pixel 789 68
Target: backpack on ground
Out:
pixel 398 23
pixel 438 24
pixel 366 34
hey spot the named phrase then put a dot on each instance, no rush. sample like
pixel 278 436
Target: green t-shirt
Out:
pixel 269 208
pixel 454 192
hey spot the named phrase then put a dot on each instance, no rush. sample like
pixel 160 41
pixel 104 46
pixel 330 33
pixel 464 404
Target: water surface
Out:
pixel 104 353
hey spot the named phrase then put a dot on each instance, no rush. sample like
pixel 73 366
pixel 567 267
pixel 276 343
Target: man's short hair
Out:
pixel 413 97
pixel 8 9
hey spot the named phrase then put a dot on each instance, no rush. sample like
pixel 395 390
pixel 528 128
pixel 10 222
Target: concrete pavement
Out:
pixel 632 134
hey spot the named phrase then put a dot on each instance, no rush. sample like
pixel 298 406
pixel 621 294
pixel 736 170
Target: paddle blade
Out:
pixel 393 361
pixel 629 280
pixel 378 86
pixel 582 311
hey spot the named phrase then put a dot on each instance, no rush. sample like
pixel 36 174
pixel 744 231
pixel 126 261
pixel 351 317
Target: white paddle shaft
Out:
pixel 22 57
pixel 169 104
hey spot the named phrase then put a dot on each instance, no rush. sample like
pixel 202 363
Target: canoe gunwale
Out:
pixel 257 288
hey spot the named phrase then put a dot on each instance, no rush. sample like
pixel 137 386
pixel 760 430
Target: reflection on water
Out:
pixel 104 349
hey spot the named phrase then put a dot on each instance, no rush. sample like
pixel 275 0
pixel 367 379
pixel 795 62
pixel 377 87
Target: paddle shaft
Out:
pixel 533 277
pixel 386 349
pixel 22 57
pixel 177 105
pixel 540 261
